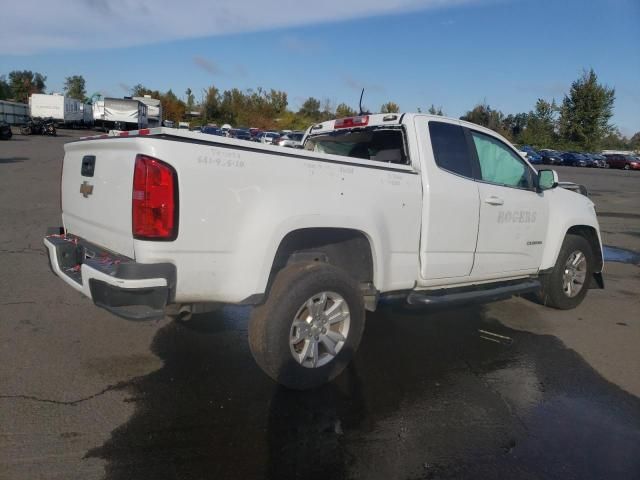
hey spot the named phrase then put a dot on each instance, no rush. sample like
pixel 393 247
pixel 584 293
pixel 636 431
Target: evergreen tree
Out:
pixel 586 112
pixel 434 111
pixel 5 89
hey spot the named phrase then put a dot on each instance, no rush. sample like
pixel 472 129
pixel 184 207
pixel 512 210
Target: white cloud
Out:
pixel 32 26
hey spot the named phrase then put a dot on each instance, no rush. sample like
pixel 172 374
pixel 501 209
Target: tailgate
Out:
pixel 97 182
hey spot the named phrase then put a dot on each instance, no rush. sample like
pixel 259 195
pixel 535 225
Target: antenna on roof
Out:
pixel 361 94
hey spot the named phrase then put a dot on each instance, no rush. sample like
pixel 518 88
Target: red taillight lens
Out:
pixel 154 200
pixel 351 122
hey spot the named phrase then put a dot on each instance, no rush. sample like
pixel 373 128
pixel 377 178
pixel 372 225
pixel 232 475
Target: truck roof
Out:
pixel 386 119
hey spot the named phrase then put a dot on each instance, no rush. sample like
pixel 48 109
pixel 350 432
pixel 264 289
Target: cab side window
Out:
pixel 499 164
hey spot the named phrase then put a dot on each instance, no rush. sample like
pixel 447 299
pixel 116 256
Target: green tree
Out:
pixel 389 107
pixel 343 110
pixel 541 125
pixel 191 99
pixel 140 90
pixel 483 114
pixel 614 140
pixel 172 107
pixel 586 112
pixel 515 124
pixel 310 108
pixel 5 89
pixel 278 101
pixel 211 104
pixel 434 111
pixel 24 83
pixel 634 142
pixel 75 87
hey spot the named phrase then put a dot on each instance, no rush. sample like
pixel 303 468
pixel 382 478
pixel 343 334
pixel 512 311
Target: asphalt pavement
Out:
pixel 507 390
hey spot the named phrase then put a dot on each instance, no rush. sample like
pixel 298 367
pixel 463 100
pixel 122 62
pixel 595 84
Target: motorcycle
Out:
pixel 38 126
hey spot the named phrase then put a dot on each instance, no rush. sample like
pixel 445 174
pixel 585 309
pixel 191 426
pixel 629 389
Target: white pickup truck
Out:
pixel 431 210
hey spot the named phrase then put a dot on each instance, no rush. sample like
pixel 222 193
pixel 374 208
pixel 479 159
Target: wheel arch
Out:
pixel 590 233
pixel 348 249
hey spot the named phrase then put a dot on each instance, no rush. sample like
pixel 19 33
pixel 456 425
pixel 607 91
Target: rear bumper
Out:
pixel 135 291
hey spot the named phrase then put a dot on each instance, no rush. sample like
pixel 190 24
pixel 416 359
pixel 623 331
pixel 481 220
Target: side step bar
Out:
pixel 475 294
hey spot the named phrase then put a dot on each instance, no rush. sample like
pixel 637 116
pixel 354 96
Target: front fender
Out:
pixel 567 210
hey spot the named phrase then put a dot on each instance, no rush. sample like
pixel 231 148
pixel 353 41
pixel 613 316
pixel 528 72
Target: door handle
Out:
pixel 494 201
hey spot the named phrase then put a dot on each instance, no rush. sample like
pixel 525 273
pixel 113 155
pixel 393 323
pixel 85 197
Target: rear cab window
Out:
pixel 381 144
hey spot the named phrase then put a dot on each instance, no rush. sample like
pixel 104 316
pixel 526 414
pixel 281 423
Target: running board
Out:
pixel 475 294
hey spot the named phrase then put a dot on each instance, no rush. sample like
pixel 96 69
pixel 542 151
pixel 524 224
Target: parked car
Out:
pixel 626 162
pixel 533 156
pixel 267 137
pixel 598 161
pixel 5 131
pixel 239 133
pixel 551 157
pixel 573 159
pixel 213 131
pixel 293 140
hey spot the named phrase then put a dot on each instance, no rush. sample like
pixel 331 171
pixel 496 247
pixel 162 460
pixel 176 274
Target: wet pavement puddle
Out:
pixel 425 397
pixel 621 255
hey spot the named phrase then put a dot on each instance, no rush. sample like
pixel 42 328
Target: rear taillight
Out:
pixel 154 200
pixel 351 122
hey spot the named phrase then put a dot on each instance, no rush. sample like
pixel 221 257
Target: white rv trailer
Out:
pixel 87 114
pixel 120 114
pixel 14 113
pixel 63 110
pixel 154 110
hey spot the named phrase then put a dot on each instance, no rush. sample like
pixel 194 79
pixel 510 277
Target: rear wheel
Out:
pixel 25 130
pixel 309 328
pixel 627 166
pixel 566 286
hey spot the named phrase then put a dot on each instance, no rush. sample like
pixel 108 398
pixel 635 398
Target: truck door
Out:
pixel 450 202
pixel 513 216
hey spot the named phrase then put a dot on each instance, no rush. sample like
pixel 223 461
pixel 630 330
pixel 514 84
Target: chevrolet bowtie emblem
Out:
pixel 86 189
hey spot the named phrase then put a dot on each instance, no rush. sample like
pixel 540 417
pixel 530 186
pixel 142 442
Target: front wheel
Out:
pixel 309 328
pixel 627 166
pixel 25 130
pixel 567 284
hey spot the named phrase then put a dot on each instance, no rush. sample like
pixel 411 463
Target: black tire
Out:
pixel 271 322
pixel 25 130
pixel 552 293
pixel 627 166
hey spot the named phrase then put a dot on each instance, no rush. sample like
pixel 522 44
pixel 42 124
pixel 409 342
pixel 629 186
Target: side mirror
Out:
pixel 547 179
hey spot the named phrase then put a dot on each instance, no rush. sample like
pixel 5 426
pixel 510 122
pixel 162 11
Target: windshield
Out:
pixel 379 144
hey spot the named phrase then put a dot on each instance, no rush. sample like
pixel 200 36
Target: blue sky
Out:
pixel 453 54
